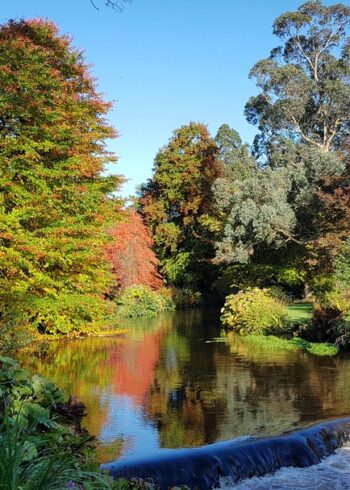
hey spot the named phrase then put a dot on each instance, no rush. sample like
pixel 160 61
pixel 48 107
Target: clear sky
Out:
pixel 166 63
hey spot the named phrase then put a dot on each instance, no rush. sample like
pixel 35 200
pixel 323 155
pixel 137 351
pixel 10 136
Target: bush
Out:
pixel 341 334
pixel 254 311
pixel 140 300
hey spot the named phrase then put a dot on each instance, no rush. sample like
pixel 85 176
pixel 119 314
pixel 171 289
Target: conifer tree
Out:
pixel 55 204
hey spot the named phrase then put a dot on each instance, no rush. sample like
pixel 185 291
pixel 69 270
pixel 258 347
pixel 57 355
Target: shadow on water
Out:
pixel 178 381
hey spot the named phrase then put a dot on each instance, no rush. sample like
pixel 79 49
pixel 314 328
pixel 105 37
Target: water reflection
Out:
pixel 173 382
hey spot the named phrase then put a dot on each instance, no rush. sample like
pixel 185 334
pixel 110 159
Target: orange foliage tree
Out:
pixel 131 254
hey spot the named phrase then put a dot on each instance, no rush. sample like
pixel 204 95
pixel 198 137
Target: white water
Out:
pixel 333 473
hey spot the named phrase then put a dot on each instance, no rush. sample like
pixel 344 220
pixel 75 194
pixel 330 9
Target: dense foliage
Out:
pixel 285 208
pixel 254 311
pixel 140 300
pixel 303 115
pixel 177 204
pixel 54 203
pixel 131 254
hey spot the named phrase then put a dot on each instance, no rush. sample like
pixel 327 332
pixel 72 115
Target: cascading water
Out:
pixel 232 461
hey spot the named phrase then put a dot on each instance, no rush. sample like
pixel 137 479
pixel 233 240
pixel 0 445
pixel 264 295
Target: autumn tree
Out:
pixel 55 204
pixel 177 204
pixel 131 254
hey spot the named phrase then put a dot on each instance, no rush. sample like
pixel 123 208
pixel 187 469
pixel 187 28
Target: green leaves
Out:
pixel 305 84
pixel 254 311
pixel 42 446
pixel 178 205
pixel 55 204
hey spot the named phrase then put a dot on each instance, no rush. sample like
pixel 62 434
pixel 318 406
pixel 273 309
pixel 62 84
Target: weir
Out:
pixel 237 459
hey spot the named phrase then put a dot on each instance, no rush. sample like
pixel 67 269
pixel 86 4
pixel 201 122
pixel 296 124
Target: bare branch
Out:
pixel 93 4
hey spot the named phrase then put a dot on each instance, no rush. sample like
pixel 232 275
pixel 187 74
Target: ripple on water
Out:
pixel 333 473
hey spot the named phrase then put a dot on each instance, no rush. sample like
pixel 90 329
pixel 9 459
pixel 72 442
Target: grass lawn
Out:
pixel 299 313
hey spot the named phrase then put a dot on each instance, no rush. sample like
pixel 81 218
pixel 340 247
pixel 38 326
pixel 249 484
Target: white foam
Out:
pixel 333 473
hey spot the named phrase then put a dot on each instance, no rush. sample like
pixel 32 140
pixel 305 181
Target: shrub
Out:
pixel 341 334
pixel 140 300
pixel 254 311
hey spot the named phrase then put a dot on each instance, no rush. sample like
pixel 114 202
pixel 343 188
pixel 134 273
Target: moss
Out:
pixel 318 349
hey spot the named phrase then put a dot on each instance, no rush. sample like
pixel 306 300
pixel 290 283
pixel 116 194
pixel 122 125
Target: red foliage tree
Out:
pixel 131 254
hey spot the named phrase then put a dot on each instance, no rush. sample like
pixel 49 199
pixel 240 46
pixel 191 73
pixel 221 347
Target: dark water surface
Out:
pixel 179 381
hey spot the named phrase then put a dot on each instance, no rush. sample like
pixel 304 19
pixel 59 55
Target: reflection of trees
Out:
pixel 135 361
pixel 183 399
pixel 191 391
pixel 93 369
pixel 270 390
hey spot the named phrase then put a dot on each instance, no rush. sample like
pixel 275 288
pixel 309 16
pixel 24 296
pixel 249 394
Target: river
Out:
pixel 178 381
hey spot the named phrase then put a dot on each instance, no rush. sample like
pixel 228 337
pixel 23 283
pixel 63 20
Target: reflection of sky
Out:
pixel 127 421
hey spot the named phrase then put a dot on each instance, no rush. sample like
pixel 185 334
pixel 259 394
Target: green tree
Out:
pixel 305 92
pixel 177 204
pixel 303 113
pixel 54 202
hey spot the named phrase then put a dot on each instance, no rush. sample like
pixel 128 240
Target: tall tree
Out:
pixel 305 92
pixel 55 204
pixel 177 204
pixel 303 113
pixel 131 254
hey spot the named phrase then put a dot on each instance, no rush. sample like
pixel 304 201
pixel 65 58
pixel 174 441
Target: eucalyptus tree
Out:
pixel 305 91
pixel 277 212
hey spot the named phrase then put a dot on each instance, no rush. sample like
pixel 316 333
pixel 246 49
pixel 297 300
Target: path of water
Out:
pixel 179 381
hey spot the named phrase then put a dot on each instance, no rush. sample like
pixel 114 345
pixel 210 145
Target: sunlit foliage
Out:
pixel 177 204
pixel 131 254
pixel 55 204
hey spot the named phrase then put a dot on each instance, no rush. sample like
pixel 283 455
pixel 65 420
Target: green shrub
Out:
pixel 140 300
pixel 341 334
pixel 254 311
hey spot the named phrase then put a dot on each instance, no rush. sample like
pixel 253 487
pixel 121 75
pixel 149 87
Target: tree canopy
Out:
pixel 305 93
pixel 131 254
pixel 55 204
pixel 177 204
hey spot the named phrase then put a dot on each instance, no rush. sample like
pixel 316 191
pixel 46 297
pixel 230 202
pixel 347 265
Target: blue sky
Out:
pixel 165 63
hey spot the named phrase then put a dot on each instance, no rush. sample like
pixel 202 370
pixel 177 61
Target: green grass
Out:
pixel 299 313
pixel 270 341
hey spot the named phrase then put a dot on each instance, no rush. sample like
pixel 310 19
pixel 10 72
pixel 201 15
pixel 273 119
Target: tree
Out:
pixel 305 91
pixel 177 204
pixel 131 254
pixel 55 204
pixel 303 113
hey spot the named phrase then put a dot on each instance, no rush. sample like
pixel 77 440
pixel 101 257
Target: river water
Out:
pixel 178 380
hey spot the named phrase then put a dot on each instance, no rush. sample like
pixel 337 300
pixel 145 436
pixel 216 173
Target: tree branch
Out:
pixel 303 135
